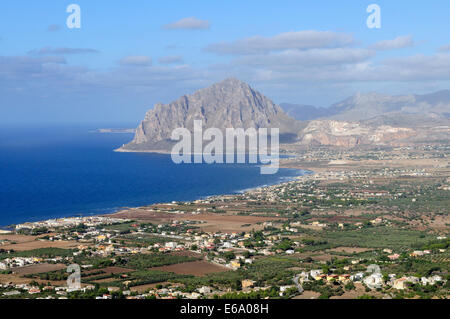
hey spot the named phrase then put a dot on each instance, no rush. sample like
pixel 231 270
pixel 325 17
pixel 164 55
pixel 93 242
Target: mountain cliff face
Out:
pixel 351 134
pixel 230 103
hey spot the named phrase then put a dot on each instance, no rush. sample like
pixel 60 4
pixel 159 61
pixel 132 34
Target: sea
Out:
pixel 61 171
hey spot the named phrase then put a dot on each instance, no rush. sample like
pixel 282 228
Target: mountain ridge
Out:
pixel 367 106
pixel 362 119
pixel 229 103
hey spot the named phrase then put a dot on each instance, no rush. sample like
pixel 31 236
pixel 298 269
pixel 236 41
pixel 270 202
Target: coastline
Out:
pixel 112 211
pixel 122 150
pixel 281 181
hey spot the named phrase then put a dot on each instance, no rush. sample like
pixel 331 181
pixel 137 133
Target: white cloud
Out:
pixel 445 48
pixel 137 60
pixel 289 64
pixel 170 59
pixel 416 68
pixel 61 51
pixel 191 23
pixel 311 57
pixel 397 43
pixel 308 39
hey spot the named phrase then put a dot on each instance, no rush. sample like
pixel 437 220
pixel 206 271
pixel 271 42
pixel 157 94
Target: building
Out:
pixel 247 283
pixel 374 281
pixel 357 277
pixel 394 256
pixel 400 283
pixel 204 290
pixel 316 272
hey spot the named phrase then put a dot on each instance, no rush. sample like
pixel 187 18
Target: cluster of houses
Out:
pixel 91 221
pixel 19 289
pixel 374 280
pixel 317 274
pixel 302 190
pixel 14 262
pixel 406 281
pixel 101 242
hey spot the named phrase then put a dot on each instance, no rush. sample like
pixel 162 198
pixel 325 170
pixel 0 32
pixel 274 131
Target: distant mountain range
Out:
pixel 363 119
pixel 303 112
pixel 367 107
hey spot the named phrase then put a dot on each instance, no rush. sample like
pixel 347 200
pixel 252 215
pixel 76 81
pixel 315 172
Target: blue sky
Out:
pixel 128 56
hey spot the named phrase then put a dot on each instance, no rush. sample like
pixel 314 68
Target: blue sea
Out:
pixel 71 171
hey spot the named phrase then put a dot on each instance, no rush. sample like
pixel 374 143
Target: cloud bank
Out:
pixel 286 67
pixel 137 60
pixel 62 51
pixel 170 59
pixel 302 40
pixel 397 43
pixel 191 23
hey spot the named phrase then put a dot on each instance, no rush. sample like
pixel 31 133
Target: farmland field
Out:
pixel 196 268
pixel 36 244
pixel 40 268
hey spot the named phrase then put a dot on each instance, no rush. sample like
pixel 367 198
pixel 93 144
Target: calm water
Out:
pixel 56 172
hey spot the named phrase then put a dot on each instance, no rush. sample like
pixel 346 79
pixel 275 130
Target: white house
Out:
pixel 204 290
pixel 357 277
pixel 315 272
pixel 399 283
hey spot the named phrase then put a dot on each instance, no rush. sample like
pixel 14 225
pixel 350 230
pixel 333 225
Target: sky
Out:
pixel 128 55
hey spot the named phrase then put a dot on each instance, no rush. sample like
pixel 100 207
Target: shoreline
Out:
pixel 122 150
pixel 280 181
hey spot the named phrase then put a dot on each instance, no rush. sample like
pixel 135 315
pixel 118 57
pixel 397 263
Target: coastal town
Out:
pixel 369 224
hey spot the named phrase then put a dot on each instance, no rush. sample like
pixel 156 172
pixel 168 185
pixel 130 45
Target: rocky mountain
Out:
pixel 363 119
pixel 414 108
pixel 351 134
pixel 397 110
pixel 230 103
pixel 377 119
pixel 369 133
